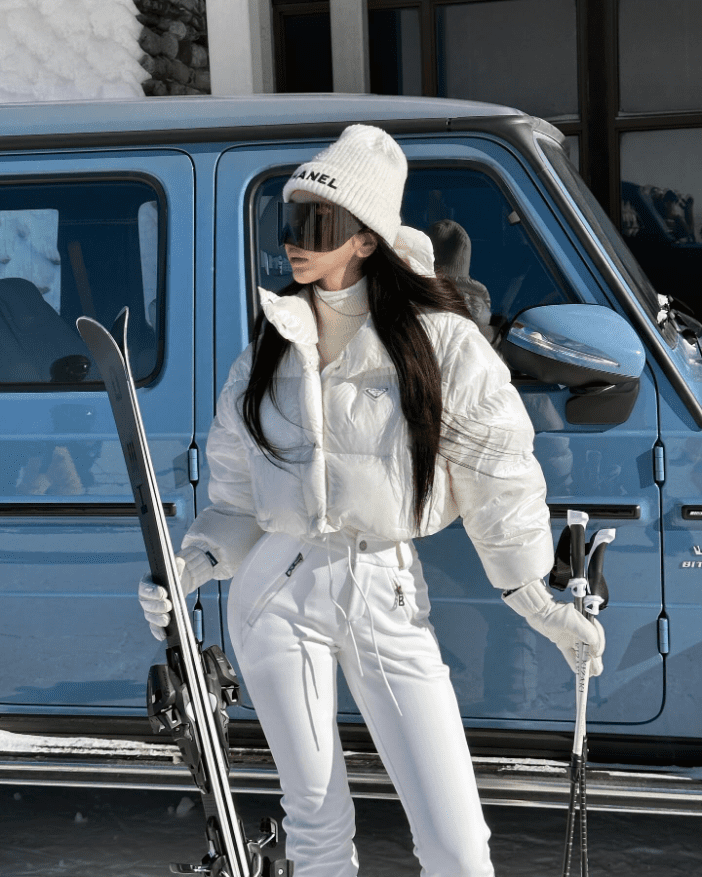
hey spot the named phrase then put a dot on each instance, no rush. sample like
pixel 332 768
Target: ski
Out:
pixel 188 695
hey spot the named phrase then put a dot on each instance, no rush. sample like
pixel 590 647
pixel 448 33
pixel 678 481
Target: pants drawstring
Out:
pixel 372 629
pixel 349 626
pixel 338 606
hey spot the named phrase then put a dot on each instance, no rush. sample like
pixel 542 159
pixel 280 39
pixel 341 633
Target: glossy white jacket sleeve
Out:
pixel 496 481
pixel 227 528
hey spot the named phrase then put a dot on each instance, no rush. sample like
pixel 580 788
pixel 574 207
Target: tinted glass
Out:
pixel 394 48
pixel 491 247
pixel 68 249
pixel 522 53
pixel 659 55
pixel 479 237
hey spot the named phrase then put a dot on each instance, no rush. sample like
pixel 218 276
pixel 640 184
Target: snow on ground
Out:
pixel 69 49
pixel 83 832
pixel 27 743
pixel 56 832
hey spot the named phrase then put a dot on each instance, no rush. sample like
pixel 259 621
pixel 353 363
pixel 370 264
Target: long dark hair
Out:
pixel 396 297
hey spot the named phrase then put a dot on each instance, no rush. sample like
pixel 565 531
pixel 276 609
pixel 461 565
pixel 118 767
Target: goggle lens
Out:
pixel 315 227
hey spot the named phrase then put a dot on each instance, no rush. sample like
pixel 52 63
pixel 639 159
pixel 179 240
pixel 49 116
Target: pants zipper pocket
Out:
pixel 270 592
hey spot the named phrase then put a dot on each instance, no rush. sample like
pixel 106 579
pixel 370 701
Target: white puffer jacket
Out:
pixel 350 465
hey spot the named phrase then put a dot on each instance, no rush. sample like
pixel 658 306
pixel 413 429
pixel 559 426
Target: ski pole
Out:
pixel 591 596
pixel 576 523
pixel 595 600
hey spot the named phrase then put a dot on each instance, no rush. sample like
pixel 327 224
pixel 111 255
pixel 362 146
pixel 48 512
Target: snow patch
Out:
pixel 69 50
pixel 530 765
pixel 29 743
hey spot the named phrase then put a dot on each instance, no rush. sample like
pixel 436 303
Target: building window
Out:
pixel 522 53
pixel 659 132
pixel 303 48
pixel 571 145
pixel 394 49
pixel 659 55
pixel 662 208
pixel 618 77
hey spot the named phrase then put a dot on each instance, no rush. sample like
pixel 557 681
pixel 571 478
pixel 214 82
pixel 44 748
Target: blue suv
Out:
pixel 169 206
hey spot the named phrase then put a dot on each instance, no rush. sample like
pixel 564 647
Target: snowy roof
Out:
pixel 190 114
pixel 67 50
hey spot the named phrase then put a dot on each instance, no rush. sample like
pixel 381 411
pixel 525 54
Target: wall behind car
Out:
pixel 174 41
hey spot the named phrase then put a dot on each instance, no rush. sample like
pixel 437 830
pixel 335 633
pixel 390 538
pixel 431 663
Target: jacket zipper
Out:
pixel 298 560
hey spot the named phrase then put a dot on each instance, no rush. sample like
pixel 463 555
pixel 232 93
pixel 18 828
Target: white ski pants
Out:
pixel 295 611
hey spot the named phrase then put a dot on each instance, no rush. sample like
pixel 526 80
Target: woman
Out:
pixel 367 411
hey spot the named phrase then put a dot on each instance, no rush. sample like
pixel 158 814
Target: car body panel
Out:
pixel 70 562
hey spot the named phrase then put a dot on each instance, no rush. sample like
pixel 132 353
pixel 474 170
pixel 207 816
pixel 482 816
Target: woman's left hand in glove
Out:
pixel 559 622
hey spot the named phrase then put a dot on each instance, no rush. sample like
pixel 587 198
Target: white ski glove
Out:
pixel 559 622
pixel 194 569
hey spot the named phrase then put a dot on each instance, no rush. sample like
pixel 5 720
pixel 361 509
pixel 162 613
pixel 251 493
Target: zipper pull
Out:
pixel 289 571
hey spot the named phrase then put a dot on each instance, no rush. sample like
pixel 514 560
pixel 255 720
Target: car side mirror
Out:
pixel 587 348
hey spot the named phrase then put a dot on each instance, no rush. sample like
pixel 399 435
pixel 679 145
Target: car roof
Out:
pixel 208 119
pixel 197 112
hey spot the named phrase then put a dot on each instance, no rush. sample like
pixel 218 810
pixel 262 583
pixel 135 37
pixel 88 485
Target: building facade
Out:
pixel 620 78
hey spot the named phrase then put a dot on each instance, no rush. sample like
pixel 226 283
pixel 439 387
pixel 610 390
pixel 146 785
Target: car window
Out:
pixel 479 238
pixel 69 248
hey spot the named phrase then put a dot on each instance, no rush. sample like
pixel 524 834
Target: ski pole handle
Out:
pixel 577 521
pixel 597 597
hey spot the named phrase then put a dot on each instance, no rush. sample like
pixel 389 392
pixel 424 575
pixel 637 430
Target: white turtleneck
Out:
pixel 340 314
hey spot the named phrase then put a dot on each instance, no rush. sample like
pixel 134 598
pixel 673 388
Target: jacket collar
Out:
pixel 293 317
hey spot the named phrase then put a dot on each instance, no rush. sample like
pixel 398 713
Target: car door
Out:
pixel 87 233
pixel 519 253
pixel 507 251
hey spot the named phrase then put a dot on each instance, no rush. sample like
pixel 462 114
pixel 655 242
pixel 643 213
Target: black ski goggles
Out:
pixel 315 227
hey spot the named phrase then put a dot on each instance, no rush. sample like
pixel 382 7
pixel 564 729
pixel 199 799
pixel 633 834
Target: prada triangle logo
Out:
pixel 376 392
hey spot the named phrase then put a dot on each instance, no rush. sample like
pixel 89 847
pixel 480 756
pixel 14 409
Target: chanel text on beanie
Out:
pixel 364 171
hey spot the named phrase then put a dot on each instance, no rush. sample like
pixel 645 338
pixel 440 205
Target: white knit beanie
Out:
pixel 364 171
